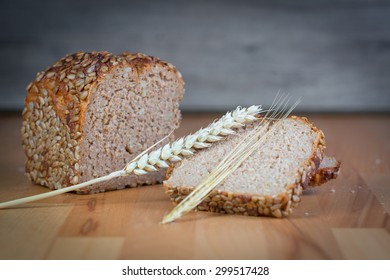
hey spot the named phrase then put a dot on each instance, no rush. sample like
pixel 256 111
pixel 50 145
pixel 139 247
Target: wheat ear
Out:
pixel 251 142
pixel 162 157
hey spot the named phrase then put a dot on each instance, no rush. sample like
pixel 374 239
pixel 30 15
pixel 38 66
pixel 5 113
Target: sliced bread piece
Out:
pixel 91 113
pixel 268 183
pixel 329 169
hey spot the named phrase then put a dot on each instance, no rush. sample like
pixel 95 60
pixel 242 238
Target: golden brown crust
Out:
pixel 54 111
pixel 279 205
pixel 70 80
pixel 326 174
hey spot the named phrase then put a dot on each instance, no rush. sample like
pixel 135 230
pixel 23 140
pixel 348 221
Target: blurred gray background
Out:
pixel 335 54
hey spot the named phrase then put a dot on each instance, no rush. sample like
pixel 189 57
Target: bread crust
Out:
pixel 325 174
pixel 249 204
pixel 54 111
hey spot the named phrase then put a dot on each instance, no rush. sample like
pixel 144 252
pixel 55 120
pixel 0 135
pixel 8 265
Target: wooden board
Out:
pixel 347 218
pixel 335 54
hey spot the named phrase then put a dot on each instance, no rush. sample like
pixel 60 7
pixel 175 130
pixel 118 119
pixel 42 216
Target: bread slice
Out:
pixel 268 183
pixel 91 113
pixel 329 169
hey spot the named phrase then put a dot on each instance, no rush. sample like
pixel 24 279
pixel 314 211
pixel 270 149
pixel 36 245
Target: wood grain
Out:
pixel 336 54
pixel 347 218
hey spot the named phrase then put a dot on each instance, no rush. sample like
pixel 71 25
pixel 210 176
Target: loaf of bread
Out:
pixel 269 182
pixel 91 113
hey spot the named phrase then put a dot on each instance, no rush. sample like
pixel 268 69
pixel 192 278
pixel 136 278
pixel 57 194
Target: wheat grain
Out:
pixel 251 142
pixel 186 146
pixel 165 156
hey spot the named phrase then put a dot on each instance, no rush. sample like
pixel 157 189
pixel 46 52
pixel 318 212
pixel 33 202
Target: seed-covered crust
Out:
pixel 325 174
pixel 54 111
pixel 252 204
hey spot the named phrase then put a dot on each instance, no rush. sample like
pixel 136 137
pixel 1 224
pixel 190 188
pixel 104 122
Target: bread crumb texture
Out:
pixel 268 183
pixel 91 113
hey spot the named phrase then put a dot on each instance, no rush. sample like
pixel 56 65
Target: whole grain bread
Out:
pixel 329 169
pixel 91 113
pixel 269 182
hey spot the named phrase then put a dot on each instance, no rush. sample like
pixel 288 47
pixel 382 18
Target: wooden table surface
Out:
pixel 347 218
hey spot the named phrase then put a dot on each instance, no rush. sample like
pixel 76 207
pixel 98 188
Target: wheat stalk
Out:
pixel 170 153
pixel 186 146
pixel 251 142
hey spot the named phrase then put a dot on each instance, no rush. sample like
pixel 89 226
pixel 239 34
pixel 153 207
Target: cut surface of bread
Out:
pixel 329 169
pixel 91 113
pixel 269 182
